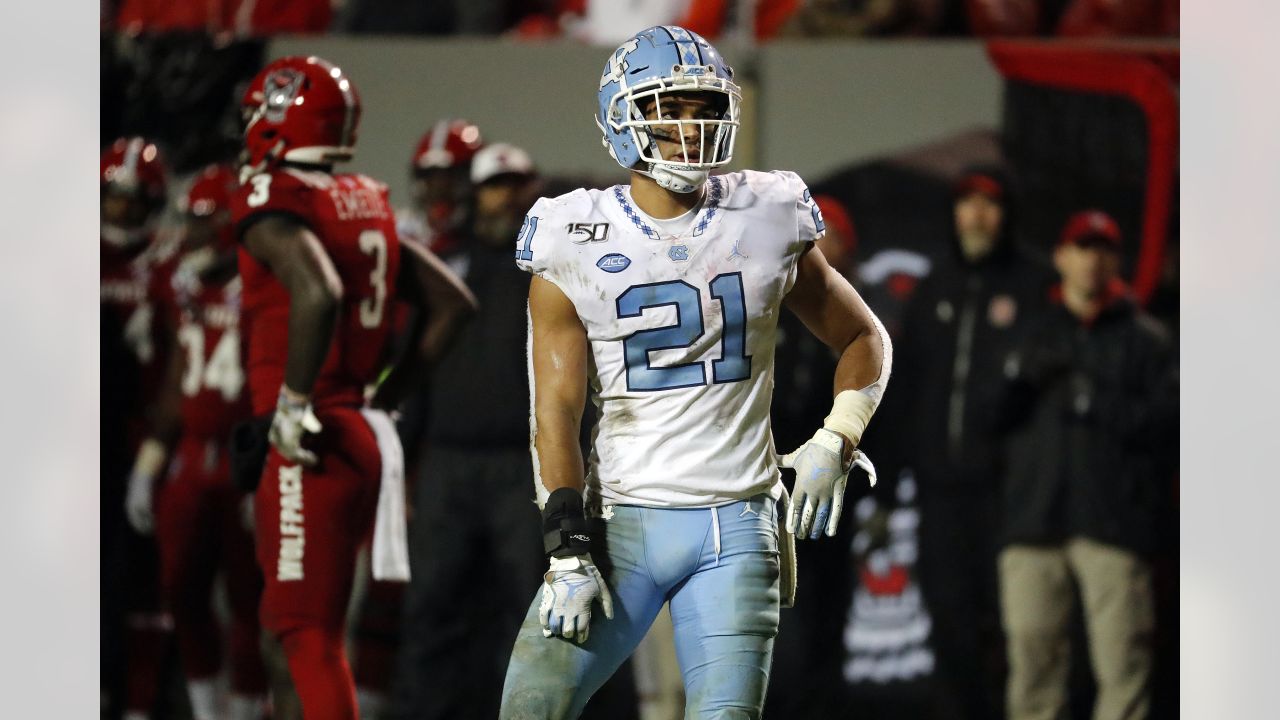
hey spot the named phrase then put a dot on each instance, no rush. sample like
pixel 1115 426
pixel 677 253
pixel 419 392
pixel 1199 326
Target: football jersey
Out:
pixel 207 319
pixel 351 217
pixel 681 329
pixel 131 288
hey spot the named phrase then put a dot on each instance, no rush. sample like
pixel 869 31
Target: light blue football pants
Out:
pixel 718 567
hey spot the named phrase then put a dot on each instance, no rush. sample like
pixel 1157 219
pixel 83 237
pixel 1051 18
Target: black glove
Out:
pixel 249 447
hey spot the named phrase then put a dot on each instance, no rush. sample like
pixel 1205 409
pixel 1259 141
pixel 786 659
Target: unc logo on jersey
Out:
pixel 678 253
pixel 613 263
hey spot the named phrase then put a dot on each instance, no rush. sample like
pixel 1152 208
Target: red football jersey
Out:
pixel 129 288
pixel 207 319
pixel 353 220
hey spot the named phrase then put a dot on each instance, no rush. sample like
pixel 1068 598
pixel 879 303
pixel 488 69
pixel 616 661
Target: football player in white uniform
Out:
pixel 663 298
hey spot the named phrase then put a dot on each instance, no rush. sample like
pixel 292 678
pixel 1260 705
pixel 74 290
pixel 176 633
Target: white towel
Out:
pixel 390 555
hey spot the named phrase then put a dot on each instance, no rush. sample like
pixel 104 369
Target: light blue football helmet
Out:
pixel 662 60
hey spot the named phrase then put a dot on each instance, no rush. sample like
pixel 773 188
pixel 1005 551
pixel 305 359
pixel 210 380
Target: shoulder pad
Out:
pixel 285 190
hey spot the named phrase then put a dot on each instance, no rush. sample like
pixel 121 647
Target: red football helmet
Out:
pixel 441 169
pixel 133 183
pixel 448 144
pixel 208 210
pixel 302 109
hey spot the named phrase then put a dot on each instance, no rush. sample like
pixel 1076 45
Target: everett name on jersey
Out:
pixel 350 215
pixel 681 330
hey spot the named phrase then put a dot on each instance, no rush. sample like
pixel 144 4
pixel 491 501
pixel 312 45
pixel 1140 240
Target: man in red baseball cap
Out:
pixel 1088 259
pixel 1092 405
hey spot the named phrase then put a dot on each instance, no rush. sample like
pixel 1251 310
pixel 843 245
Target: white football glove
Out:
pixel 138 498
pixel 292 422
pixel 569 587
pixel 820 481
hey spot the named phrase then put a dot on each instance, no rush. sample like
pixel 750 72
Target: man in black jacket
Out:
pixel 474 535
pixel 962 322
pixel 1092 402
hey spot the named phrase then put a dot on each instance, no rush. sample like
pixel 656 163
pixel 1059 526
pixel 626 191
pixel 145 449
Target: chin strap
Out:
pixel 679 181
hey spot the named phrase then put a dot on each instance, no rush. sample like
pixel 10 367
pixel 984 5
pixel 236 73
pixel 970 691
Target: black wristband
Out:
pixel 564 524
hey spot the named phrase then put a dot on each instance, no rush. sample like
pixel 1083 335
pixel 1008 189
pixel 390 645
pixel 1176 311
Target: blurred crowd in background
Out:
pixel 1018 556
pixel 605 21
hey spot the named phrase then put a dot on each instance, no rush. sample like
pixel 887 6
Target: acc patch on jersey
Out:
pixel 613 263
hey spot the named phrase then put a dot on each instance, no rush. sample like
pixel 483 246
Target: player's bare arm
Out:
pixel 164 422
pixel 833 311
pixel 295 256
pixel 164 417
pixel 560 384
pixel 441 302
pixel 297 259
pixel 445 296
pixel 572 582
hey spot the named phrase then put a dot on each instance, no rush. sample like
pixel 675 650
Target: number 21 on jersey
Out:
pixel 733 365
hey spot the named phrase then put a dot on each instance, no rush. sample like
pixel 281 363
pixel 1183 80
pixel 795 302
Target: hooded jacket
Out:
pixel 962 322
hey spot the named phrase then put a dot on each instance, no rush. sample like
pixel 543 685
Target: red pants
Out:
pixel 200 529
pixel 377 635
pixel 311 521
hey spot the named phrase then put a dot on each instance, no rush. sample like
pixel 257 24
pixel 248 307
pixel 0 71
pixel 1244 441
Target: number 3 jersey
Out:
pixel 350 216
pixel 681 329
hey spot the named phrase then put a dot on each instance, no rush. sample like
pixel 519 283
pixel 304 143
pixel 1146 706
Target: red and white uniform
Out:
pixel 130 285
pixel 134 190
pixel 312 520
pixel 207 320
pixel 351 217
pixel 199 524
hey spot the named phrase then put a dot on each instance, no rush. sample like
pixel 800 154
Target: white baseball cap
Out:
pixel 500 159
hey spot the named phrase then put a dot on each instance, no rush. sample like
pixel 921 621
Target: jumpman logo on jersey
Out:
pixel 736 252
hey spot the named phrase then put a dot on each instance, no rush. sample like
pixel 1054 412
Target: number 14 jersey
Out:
pixel 350 215
pixel 681 329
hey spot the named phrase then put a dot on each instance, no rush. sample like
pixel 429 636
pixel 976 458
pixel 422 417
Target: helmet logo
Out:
pixel 618 63
pixel 280 89
pixel 647 69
